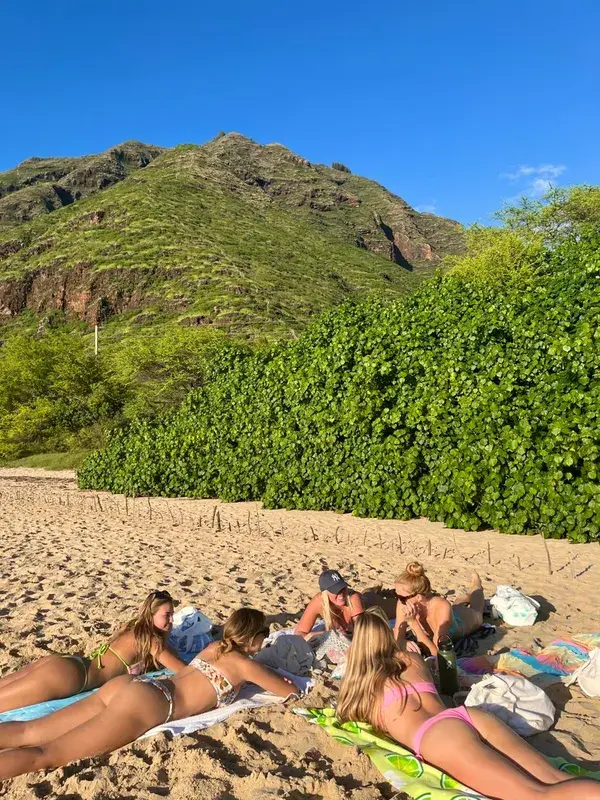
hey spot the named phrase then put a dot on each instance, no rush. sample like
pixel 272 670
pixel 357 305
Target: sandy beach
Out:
pixel 75 565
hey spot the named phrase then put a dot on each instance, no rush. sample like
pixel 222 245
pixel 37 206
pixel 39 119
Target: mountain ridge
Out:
pixel 230 233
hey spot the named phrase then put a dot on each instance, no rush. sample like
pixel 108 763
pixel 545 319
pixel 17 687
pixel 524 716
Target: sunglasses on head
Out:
pixel 405 597
pixel 160 594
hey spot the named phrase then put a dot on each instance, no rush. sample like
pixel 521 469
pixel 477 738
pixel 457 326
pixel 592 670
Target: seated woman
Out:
pixel 394 692
pixel 140 646
pixel 430 617
pixel 337 604
pixel 127 707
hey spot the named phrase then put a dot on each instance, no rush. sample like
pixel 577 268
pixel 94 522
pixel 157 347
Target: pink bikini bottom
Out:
pixel 450 713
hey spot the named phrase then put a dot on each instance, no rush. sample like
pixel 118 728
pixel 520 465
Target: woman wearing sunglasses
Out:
pixel 127 707
pixel 337 604
pixel 139 646
pixel 430 617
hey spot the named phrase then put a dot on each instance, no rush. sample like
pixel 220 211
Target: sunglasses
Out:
pixel 160 594
pixel 405 597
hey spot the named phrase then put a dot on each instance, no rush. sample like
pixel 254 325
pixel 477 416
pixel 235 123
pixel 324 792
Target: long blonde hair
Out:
pixel 240 630
pixel 414 576
pixel 149 640
pixel 373 660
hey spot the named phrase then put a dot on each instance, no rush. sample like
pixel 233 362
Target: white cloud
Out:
pixel 427 208
pixel 534 181
pixel 546 171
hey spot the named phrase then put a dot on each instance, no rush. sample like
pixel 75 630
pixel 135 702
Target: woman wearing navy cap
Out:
pixel 337 604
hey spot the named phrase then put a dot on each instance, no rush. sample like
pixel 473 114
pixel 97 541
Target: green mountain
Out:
pixel 231 233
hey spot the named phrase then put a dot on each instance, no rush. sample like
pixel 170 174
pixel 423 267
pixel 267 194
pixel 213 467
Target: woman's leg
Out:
pixel 45 729
pixel 454 747
pixel 130 712
pixel 51 678
pixel 20 673
pixel 506 741
pixel 469 609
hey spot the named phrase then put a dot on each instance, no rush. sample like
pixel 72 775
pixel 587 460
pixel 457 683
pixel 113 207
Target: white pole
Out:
pixel 95 340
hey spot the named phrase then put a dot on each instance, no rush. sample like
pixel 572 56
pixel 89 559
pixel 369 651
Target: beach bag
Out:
pixel 191 632
pixel 291 653
pixel 587 676
pixel 524 707
pixel 514 607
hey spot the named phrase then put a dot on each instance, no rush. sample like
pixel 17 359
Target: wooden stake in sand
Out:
pixel 212 523
pixel 218 522
pixel 126 506
pixel 315 537
pixel 336 534
pixel 489 549
pixel 428 547
pixel 400 545
pixel 547 554
pixel 149 507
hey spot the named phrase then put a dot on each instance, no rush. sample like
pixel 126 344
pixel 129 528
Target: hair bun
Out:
pixel 415 569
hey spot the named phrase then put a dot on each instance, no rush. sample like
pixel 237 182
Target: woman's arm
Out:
pixel 440 619
pixel 170 660
pixel 267 679
pixel 312 611
pixel 401 624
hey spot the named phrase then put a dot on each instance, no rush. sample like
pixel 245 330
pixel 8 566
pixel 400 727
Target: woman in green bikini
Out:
pixel 140 646
pixel 430 617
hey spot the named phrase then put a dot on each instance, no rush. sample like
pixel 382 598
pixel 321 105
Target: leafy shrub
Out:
pixel 340 167
pixel 472 402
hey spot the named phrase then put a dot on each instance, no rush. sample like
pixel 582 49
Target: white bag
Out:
pixel 191 631
pixel 514 607
pixel 587 676
pixel 524 707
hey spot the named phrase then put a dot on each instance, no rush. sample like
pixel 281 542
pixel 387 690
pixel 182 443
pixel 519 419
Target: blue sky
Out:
pixel 455 106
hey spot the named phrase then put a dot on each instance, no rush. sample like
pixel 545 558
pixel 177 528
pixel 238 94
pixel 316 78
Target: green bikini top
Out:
pixel 102 650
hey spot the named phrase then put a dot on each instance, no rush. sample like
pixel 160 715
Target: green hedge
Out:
pixel 469 403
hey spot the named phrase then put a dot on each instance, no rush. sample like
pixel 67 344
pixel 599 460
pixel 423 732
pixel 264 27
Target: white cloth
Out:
pixel 587 676
pixel 249 696
pixel 526 708
pixel 514 607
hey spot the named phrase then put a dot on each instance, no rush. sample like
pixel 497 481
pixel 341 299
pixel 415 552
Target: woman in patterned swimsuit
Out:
pixel 126 707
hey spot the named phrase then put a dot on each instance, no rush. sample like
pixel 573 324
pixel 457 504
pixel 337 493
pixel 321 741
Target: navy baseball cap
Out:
pixel 332 581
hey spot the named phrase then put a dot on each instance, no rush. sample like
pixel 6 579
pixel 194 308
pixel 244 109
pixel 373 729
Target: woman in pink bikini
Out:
pixel 139 646
pixel 393 691
pixel 126 707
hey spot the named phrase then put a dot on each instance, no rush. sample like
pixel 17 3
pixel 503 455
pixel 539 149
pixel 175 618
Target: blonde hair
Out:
pixel 149 640
pixel 414 576
pixel 373 660
pixel 240 630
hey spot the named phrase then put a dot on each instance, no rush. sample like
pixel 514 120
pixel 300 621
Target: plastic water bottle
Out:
pixel 447 667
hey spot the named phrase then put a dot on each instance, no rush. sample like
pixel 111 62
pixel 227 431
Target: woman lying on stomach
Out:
pixel 430 617
pixel 127 707
pixel 140 646
pixel 394 692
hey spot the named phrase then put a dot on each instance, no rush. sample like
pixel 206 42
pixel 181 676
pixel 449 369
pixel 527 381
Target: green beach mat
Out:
pixel 400 767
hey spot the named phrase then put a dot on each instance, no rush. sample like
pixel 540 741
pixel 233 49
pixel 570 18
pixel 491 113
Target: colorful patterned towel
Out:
pixel 400 767
pixel 550 665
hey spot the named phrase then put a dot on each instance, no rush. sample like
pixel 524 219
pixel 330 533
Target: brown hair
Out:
pixel 240 630
pixel 415 577
pixel 373 659
pixel 149 641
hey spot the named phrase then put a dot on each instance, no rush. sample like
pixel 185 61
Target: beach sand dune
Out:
pixel 76 564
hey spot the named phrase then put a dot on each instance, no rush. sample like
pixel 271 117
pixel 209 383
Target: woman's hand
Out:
pixel 405 612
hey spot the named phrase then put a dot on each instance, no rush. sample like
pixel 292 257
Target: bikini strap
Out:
pixel 102 650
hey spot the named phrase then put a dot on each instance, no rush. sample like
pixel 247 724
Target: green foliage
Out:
pixel 473 402
pixel 561 214
pixel 499 255
pixel 340 167
pixel 51 390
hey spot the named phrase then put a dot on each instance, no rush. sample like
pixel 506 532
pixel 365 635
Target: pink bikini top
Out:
pixel 401 692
